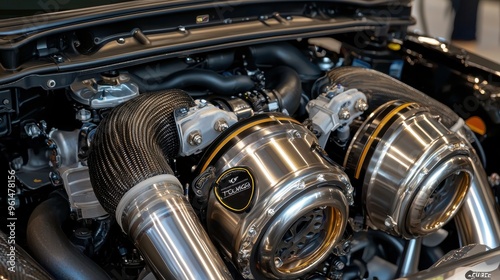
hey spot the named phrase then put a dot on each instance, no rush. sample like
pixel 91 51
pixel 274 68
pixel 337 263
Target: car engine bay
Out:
pixel 311 157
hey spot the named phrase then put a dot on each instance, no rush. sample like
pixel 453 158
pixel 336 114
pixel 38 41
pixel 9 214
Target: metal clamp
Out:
pixel 198 126
pixel 334 108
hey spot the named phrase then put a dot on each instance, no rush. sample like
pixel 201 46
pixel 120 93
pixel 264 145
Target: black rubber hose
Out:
pixel 285 54
pixel 52 248
pixel 219 61
pixel 201 78
pixel 286 83
pixel 155 72
pixel 101 233
pixel 133 144
pixel 381 88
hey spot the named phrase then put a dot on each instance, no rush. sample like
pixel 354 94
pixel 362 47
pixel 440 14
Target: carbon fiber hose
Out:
pixel 381 88
pixel 133 144
pixel 131 177
pixel 17 264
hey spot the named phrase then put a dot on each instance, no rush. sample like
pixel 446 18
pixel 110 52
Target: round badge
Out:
pixel 235 188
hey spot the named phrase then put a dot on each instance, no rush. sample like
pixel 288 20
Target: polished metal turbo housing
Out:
pixel 413 171
pixel 277 206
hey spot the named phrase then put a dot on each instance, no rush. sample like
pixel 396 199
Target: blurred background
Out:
pixel 436 18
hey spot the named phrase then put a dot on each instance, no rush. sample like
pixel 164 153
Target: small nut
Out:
pixel 221 125
pixel 278 262
pixel 361 105
pixel 389 222
pixel 194 138
pixel 344 114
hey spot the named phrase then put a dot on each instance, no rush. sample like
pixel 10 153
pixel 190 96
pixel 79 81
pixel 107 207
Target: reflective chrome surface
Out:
pixel 299 237
pixel 478 221
pixel 415 173
pixel 164 227
pixel 471 262
pixel 299 209
pixel 411 257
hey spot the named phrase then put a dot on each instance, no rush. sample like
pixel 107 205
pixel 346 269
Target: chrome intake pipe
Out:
pixel 132 179
pixel 158 217
pixel 478 221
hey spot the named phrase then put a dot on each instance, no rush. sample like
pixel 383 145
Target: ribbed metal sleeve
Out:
pixel 17 264
pixel 380 88
pixel 133 144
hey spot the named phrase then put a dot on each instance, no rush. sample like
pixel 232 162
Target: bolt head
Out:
pixel 195 138
pixel 202 103
pixel 389 222
pixel 221 125
pixel 278 262
pixel 344 114
pixel 361 105
pixel 83 115
pixel 339 265
pixel 252 232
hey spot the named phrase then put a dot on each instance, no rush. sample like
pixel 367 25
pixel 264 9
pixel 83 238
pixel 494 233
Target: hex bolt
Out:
pixel 338 265
pixel 54 177
pixel 194 138
pixel 58 58
pixel 389 222
pixel 361 105
pixel 203 103
pixel 6 101
pixel 83 115
pixel 270 212
pixel 344 114
pixel 252 232
pixel 221 125
pixel 278 262
pixel 182 111
pixel 32 130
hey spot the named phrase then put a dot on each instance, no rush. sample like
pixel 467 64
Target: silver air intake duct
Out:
pixel 276 206
pixel 129 171
pixel 414 172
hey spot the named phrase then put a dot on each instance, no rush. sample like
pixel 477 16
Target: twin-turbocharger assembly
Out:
pixel 268 195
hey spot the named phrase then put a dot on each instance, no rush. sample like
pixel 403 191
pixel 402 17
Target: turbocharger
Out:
pixel 273 202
